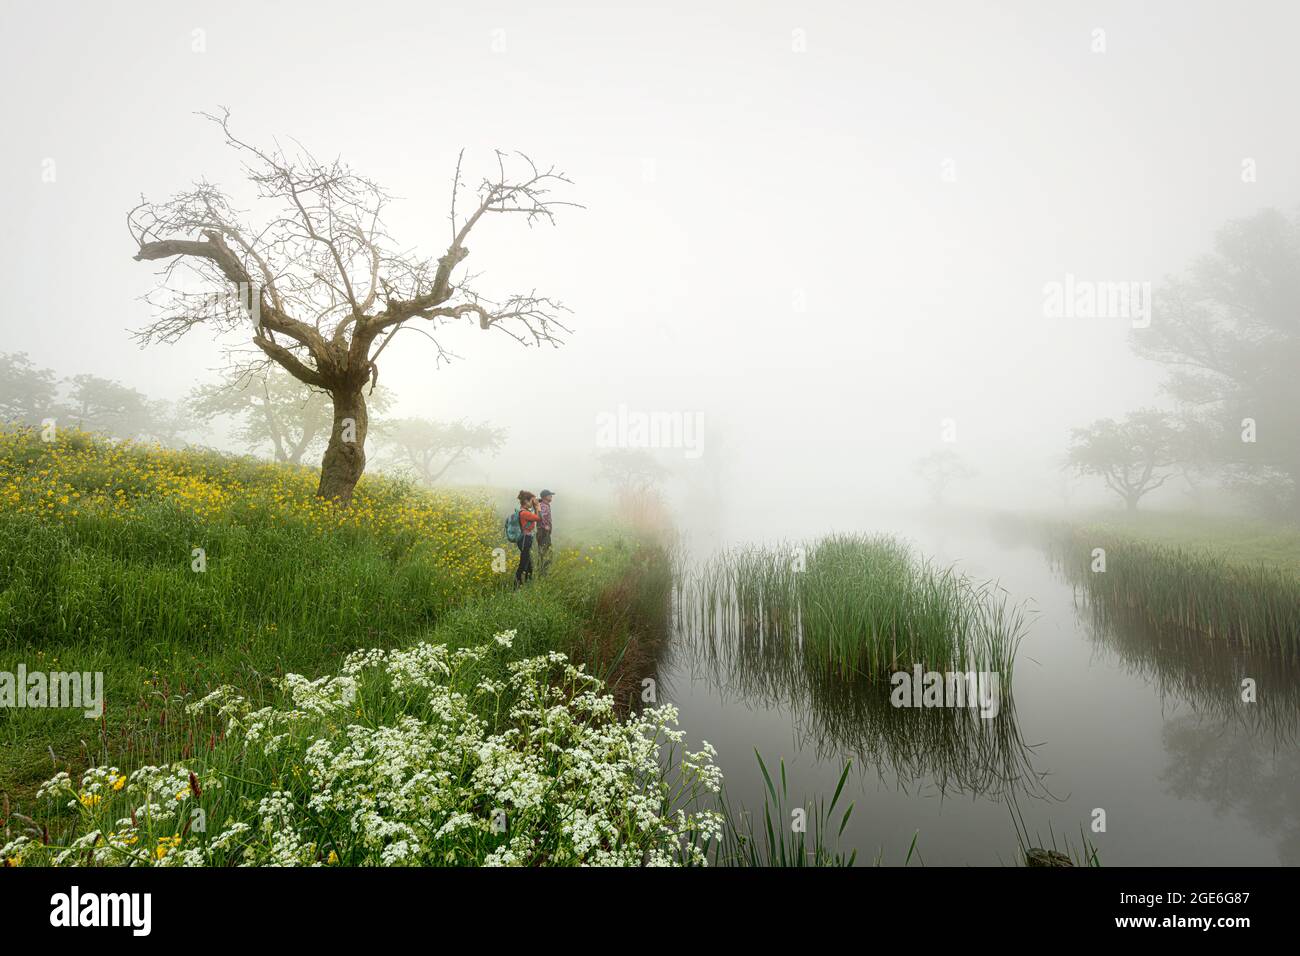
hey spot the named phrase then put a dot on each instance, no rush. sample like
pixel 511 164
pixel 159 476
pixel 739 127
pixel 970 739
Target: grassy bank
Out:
pixel 1217 578
pixel 1232 539
pixel 175 573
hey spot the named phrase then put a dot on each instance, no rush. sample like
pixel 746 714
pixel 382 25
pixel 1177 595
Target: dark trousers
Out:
pixel 525 570
pixel 543 549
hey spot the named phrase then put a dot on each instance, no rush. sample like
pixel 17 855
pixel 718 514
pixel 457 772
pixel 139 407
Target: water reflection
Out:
pixel 1182 664
pixel 1239 757
pixel 1234 768
pixel 835 716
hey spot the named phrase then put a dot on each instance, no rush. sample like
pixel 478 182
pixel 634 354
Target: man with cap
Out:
pixel 544 530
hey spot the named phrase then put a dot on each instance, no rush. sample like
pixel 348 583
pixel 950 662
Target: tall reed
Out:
pixel 1250 605
pixel 859 606
pixel 776 843
pixel 821 627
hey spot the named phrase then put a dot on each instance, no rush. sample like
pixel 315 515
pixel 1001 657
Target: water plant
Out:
pixel 1035 851
pixel 858 606
pixel 819 628
pixel 789 836
pixel 1190 590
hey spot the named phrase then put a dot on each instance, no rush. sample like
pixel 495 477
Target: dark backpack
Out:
pixel 514 531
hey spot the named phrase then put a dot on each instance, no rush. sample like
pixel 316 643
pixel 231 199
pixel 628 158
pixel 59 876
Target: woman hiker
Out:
pixel 528 519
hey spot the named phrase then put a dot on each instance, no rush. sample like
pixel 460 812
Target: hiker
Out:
pixel 526 521
pixel 544 530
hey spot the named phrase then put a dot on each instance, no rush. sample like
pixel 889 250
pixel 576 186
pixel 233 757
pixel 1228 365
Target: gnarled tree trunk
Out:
pixel 345 457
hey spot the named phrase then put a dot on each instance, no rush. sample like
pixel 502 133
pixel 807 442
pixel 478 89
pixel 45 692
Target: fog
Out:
pixel 825 231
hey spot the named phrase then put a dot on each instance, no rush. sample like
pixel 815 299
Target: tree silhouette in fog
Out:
pixel 429 449
pixel 939 470
pixel 27 393
pixel 318 285
pixel 275 409
pixel 1228 331
pixel 1133 457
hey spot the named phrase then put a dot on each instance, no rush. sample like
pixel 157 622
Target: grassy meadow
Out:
pixel 1232 539
pixel 175 573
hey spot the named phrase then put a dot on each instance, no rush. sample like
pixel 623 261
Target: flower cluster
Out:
pixel 160 801
pixel 389 764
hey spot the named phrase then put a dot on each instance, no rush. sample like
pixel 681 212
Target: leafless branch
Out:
pixel 319 283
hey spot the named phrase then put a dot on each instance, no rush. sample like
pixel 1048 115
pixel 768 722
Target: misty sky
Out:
pixel 826 241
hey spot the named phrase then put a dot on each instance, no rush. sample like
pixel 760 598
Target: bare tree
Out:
pixel 319 285
pixel 429 449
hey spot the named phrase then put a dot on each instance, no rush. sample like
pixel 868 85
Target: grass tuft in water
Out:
pixel 856 606
pixel 790 836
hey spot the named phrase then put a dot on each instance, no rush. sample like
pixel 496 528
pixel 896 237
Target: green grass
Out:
pixel 1218 594
pixel 1231 540
pixel 1194 604
pixel 96 574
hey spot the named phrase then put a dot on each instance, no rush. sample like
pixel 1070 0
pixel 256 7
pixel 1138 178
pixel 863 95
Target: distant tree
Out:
pixel 1134 456
pixel 429 449
pixel 939 470
pixel 103 405
pixel 318 285
pixel 28 394
pixel 1229 333
pixel 1198 462
pixel 636 476
pixel 167 422
pixel 274 409
pixel 632 470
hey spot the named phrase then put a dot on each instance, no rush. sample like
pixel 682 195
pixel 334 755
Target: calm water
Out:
pixel 1104 716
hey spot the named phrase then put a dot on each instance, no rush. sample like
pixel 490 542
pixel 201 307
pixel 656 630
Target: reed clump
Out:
pixel 859 606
